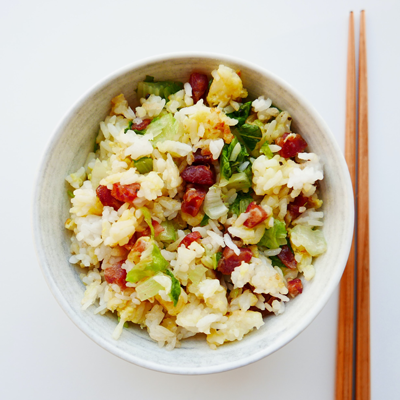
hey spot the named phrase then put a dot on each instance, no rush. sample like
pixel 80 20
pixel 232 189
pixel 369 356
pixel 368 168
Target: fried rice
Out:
pixel 197 211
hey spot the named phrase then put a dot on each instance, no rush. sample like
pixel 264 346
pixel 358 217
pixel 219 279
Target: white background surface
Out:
pixel 52 52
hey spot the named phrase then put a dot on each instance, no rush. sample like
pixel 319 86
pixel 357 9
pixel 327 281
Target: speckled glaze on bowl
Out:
pixel 67 151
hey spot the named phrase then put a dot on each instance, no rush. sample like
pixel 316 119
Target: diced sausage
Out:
pixel 105 196
pixel 295 287
pixel 142 126
pixel 193 199
pixel 199 84
pixel 190 238
pixel 116 274
pixel 230 260
pixel 287 257
pixel 294 206
pixel 292 144
pixel 200 174
pixel 125 193
pixel 257 215
pixel 202 156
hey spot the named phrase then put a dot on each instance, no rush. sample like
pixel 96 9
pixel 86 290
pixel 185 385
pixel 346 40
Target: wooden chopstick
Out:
pixel 345 341
pixel 363 385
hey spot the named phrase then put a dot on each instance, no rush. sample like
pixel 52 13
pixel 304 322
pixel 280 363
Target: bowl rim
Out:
pixel 77 319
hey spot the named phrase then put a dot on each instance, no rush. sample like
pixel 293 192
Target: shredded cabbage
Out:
pixel 163 128
pixel 147 289
pixel 196 275
pixel 275 236
pixel 312 240
pixel 149 266
pixel 169 232
pixel 213 204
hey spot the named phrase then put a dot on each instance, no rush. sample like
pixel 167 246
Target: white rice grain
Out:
pixel 272 252
pixel 230 244
pixel 218 239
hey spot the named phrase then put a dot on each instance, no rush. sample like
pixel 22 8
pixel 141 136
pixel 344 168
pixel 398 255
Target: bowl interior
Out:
pixel 67 151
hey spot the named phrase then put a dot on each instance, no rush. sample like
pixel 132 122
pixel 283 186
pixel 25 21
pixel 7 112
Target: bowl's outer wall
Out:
pixel 67 151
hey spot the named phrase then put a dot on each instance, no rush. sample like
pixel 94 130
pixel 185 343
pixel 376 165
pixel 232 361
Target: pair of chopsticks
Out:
pixel 353 351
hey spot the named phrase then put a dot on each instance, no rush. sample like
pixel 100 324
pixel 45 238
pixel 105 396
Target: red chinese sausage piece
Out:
pixel 287 257
pixel 142 126
pixel 202 156
pixel 193 199
pixel 125 193
pixel 147 232
pixel 294 206
pixel 116 274
pixel 200 174
pixel 295 287
pixel 199 84
pixel 230 260
pixel 291 145
pixel 105 196
pixel 257 215
pixel 190 238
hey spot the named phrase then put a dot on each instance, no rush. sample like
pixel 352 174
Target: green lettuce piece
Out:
pixel 312 240
pixel 197 273
pixel 70 194
pixel 149 266
pixel 242 114
pixel 215 258
pixel 169 232
pixel 175 288
pixel 163 128
pixel 162 89
pixel 147 289
pixel 144 165
pixel 205 220
pixel 228 167
pixel 259 123
pixel 250 135
pixel 266 150
pixel 225 165
pixel 147 218
pixel 276 262
pixel 129 126
pixel 149 78
pixel 273 237
pixel 241 203
pixel 239 181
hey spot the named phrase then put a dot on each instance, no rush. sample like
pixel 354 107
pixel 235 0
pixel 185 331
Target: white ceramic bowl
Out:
pixel 66 152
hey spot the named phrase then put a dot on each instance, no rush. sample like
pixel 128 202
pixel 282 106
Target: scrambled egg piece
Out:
pixel 225 87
